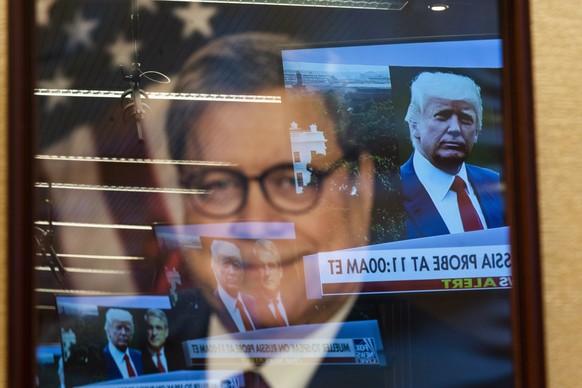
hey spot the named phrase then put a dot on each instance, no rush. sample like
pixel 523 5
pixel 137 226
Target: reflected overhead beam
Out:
pixel 132 160
pixel 100 257
pixel 392 5
pixel 61 291
pixel 87 270
pixel 158 95
pixel 95 225
pixel 44 307
pixel 130 189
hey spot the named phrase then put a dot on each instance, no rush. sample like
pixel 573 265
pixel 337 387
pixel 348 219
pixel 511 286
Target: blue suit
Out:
pixel 112 369
pixel 423 218
pixel 458 339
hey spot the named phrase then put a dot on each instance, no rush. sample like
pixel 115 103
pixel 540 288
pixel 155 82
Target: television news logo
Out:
pixel 365 351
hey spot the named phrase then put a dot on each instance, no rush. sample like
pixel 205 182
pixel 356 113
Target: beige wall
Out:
pixel 557 45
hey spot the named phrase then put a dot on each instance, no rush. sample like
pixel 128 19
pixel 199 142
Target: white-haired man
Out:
pixel 236 310
pixel 443 194
pixel 120 360
pixel 160 355
pixel 270 304
pixel 426 350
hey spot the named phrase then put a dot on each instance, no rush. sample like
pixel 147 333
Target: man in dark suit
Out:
pixel 236 310
pixel 159 356
pixel 443 194
pixel 270 305
pixel 120 360
pixel 333 212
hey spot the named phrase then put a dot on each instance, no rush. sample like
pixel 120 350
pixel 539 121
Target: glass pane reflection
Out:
pixel 275 225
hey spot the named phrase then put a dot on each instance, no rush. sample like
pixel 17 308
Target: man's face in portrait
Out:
pixel 270 271
pixel 228 269
pixel 446 132
pixel 120 334
pixel 255 137
pixel 157 333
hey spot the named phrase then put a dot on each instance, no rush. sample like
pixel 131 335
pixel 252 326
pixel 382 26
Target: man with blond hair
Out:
pixel 270 305
pixel 120 360
pixel 442 193
pixel 236 309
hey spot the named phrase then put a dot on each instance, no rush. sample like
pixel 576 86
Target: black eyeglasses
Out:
pixel 226 189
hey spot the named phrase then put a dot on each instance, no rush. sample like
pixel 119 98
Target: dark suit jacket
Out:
pixel 112 369
pixel 174 358
pixel 221 311
pixel 457 339
pixel 447 339
pixel 423 218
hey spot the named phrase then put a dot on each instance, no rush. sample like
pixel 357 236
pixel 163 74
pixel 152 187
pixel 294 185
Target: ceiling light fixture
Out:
pixel 438 7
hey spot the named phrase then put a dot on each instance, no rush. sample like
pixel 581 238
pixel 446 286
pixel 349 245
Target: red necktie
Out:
pixel 130 370
pixel 469 215
pixel 160 365
pixel 244 316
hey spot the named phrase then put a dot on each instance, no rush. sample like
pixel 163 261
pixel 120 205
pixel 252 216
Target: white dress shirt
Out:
pixel 163 360
pixel 293 376
pixel 438 186
pixel 279 303
pixel 230 304
pixel 118 357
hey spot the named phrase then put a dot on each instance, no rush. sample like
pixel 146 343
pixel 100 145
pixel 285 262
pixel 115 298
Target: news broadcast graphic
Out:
pixel 179 379
pixel 468 261
pixel 346 343
pixel 372 81
pixel 49 361
pixel 94 329
pixel 192 250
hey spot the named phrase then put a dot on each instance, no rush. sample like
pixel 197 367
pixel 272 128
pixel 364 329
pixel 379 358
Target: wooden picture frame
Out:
pixel 521 197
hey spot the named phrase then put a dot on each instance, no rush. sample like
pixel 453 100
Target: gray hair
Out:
pixel 117 315
pixel 268 246
pixel 446 85
pixel 235 64
pixel 156 313
pixel 219 245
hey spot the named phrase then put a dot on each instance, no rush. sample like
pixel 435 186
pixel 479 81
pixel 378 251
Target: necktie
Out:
pixel 160 365
pixel 244 316
pixel 277 314
pixel 254 380
pixel 468 213
pixel 130 370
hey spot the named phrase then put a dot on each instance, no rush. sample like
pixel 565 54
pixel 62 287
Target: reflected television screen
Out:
pixel 271 195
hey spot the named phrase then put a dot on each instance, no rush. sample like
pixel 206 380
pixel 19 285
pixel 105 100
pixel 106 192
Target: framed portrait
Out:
pixel 272 193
